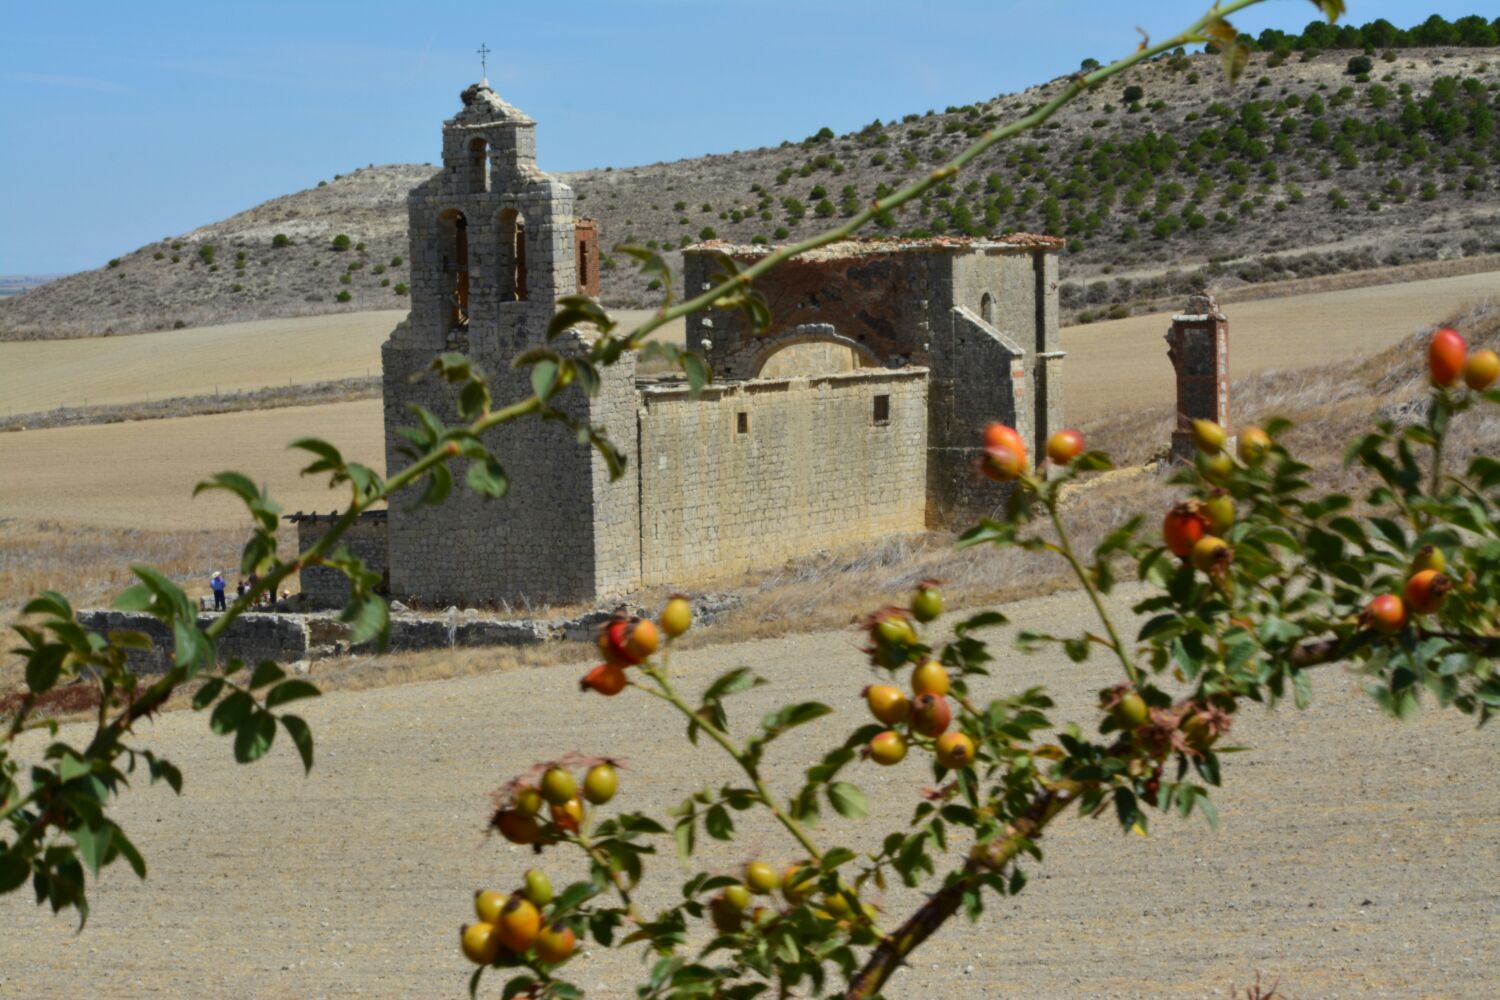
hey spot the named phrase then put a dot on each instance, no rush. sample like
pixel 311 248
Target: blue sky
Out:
pixel 124 123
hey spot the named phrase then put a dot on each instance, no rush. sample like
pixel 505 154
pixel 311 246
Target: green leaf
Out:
pixel 44 667
pixel 368 618
pixel 847 800
pixel 136 597
pixel 206 694
pixel 439 485
pixel 330 459
pixel 231 712
pixel 544 378
pixel 697 371
pixel 266 671
pixel 13 873
pixel 487 478
pixel 49 602
pixel 124 846
pixel 473 399
pixel 732 682
pixel 1332 9
pixel 233 482
pixel 453 366
pixel 718 824
pixel 254 737
pixel 575 310
pixel 93 844
pixel 290 691
pixel 172 602
pixel 301 735
pixel 193 650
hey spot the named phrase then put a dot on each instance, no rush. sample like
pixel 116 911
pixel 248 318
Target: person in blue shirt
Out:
pixel 218 584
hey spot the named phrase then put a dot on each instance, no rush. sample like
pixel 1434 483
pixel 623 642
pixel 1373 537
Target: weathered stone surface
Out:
pixel 503 633
pixel 950 333
pixel 1198 347
pixel 323 587
pixel 250 637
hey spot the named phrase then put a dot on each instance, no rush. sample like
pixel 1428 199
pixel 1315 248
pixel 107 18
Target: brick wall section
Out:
pixel 812 470
pixel 367 539
pixel 586 256
pixel 1198 347
pixel 251 637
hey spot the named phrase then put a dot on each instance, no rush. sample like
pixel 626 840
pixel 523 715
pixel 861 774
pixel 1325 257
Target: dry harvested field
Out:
pixel 147 469
pixel 1357 857
pixel 42 375
pixel 45 374
pixel 142 474
pixel 1114 366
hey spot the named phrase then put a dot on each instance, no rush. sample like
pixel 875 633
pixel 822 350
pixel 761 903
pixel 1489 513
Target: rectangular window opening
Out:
pixel 882 410
pixel 742 422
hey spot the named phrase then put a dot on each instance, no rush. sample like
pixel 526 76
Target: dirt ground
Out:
pixel 1357 856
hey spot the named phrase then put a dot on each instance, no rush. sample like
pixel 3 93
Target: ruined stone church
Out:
pixel 940 336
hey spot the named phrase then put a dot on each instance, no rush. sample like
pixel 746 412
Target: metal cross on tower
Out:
pixel 484 52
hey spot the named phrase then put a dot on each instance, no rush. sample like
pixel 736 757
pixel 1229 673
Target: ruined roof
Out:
pixel 483 106
pixel 865 246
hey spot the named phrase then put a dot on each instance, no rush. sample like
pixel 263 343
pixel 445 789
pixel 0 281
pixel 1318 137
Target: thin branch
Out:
pixel 891 953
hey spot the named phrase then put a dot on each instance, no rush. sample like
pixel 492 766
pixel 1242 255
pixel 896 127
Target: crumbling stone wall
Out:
pixel 981 315
pixel 251 637
pixel 752 473
pixel 1198 347
pixel 367 539
pixel 947 335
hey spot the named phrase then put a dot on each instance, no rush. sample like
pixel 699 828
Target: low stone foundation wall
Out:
pixel 251 637
pixel 288 638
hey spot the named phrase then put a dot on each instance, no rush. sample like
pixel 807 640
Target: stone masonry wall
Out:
pixel 537 543
pixel 1198 347
pixel 811 469
pixel 367 539
pixel 251 637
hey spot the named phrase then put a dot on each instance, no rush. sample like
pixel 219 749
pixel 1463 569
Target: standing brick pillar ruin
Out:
pixel 1198 347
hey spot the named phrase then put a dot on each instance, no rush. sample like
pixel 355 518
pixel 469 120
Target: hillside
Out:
pixel 1301 169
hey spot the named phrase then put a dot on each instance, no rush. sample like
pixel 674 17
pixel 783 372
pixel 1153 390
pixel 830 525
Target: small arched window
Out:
pixel 479 166
pixel 987 309
pixel 511 257
pixel 454 227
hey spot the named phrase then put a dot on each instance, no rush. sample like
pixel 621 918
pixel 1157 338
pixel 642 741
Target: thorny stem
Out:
pixel 618 878
pixel 891 953
pixel 1064 548
pixel 668 693
pixel 1078 85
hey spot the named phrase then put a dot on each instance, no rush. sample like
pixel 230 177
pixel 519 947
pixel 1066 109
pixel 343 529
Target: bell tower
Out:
pixel 494 245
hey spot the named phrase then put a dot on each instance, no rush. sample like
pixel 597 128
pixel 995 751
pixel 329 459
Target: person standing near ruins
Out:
pixel 218 585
